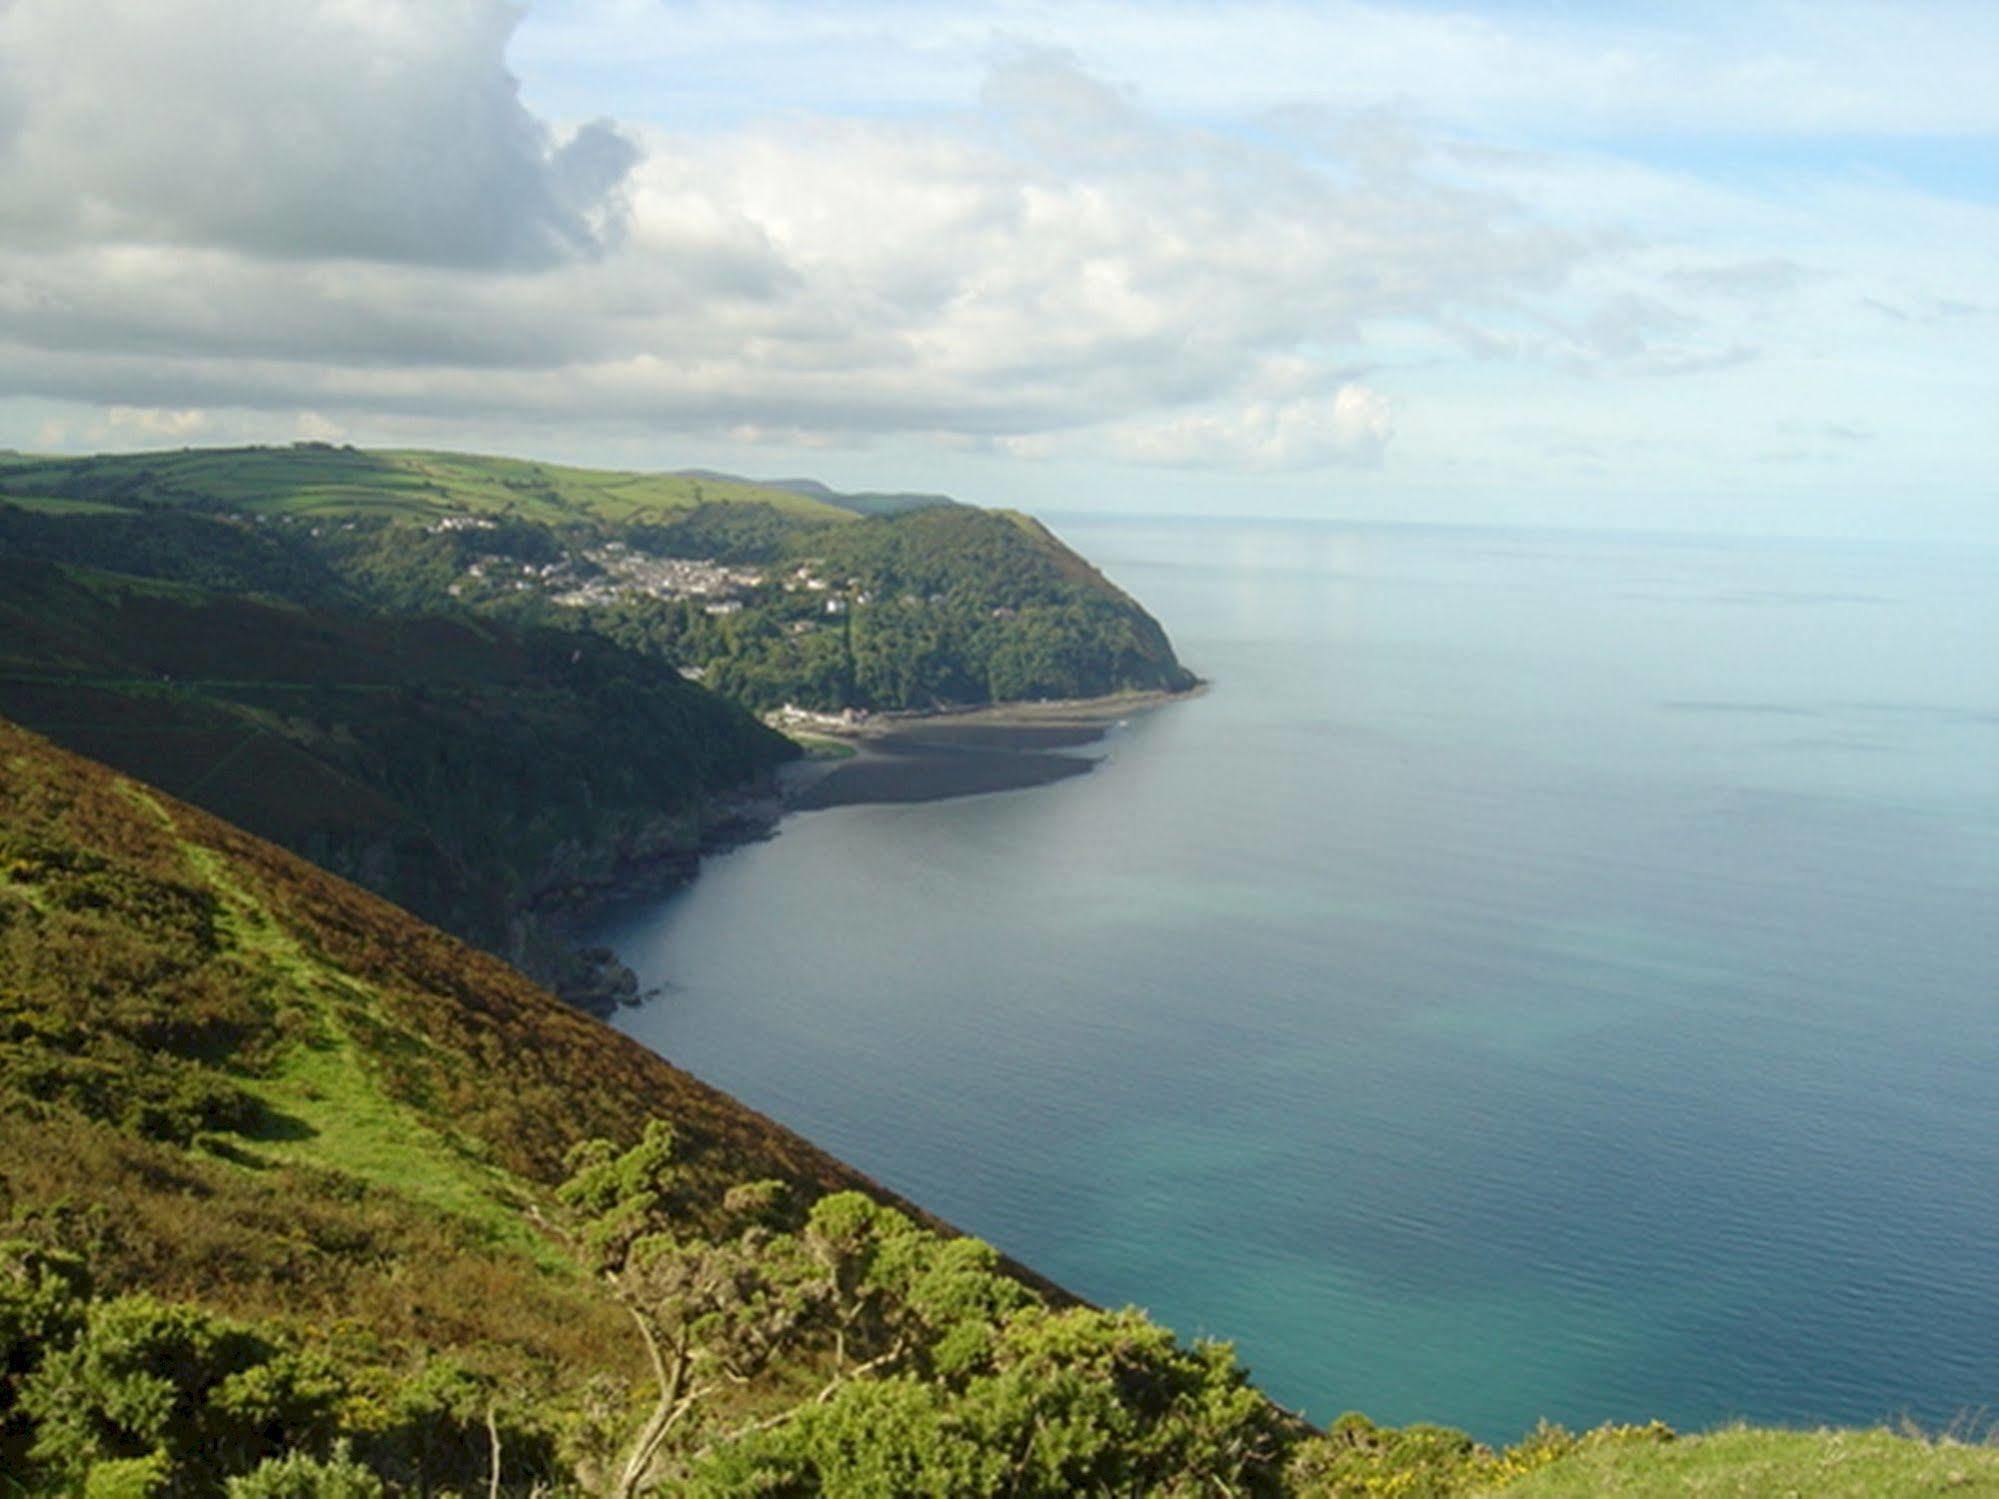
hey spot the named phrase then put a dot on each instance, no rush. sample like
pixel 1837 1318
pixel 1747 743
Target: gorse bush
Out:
pixel 132 1394
pixel 299 1475
pixel 933 1371
pixel 207 1396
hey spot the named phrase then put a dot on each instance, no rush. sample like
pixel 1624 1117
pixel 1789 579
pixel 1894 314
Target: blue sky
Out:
pixel 1660 267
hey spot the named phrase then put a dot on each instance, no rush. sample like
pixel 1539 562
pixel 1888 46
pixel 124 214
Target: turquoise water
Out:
pixel 1548 975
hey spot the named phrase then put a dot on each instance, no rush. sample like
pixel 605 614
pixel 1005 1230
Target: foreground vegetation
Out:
pixel 299 1197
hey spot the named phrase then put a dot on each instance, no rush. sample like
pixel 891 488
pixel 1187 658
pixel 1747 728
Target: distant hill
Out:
pixel 863 502
pixel 461 681
pixel 322 480
pixel 878 602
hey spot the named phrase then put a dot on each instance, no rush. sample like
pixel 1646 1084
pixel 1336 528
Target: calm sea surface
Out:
pixel 1549 975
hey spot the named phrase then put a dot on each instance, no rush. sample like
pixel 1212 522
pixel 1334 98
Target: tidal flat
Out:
pixel 970 752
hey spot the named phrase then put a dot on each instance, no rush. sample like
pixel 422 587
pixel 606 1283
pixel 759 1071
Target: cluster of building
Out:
pixel 622 571
pixel 791 716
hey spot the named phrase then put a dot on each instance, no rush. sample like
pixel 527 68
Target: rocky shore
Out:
pixel 545 925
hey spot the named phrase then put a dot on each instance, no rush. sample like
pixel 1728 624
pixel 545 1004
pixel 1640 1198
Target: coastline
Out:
pixel 946 753
pixel 898 758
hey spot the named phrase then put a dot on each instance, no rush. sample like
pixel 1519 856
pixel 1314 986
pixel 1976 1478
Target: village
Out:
pixel 623 571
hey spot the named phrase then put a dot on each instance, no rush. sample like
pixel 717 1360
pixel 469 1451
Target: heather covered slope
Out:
pixel 191 986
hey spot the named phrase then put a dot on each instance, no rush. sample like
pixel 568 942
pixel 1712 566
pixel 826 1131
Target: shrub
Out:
pixel 298 1475
pixel 210 1396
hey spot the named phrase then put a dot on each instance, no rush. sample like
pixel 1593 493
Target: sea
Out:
pixel 1548 975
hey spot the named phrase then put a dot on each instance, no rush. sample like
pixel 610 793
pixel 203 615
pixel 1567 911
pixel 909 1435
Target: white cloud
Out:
pixel 830 226
pixel 378 129
pixel 1061 261
pixel 155 422
pixel 1350 426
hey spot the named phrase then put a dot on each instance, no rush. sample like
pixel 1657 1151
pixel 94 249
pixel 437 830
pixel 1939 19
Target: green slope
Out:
pixel 1752 1463
pixel 170 937
pixel 316 479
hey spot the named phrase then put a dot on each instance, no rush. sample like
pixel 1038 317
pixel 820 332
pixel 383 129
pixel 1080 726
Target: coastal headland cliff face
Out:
pixel 494 691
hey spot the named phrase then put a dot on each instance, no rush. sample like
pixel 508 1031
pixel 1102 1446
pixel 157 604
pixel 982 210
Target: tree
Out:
pixel 711 1312
pixel 909 1362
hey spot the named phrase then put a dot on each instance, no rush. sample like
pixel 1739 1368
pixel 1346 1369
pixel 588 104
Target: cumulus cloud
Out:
pixel 1352 426
pixel 1290 416
pixel 378 129
pixel 344 207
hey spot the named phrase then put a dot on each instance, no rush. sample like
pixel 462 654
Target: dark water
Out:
pixel 1549 975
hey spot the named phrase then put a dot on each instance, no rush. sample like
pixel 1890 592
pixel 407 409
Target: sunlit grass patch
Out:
pixel 1762 1463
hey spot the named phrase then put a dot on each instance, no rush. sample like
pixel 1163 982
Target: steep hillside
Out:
pixel 476 773
pixel 288 1158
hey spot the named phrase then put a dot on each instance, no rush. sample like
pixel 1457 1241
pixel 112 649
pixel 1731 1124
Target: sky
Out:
pixel 1699 266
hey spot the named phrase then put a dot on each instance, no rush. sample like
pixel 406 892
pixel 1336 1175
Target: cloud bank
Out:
pixel 344 206
pixel 331 216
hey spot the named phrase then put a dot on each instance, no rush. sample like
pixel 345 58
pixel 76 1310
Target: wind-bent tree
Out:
pixel 909 1363
pixel 711 1312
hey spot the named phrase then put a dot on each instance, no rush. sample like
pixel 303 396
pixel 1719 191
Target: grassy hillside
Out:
pixel 229 1079
pixel 319 480
pixel 143 920
pixel 1752 1463
pixel 468 770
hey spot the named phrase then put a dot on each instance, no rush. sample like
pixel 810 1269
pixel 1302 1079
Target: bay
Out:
pixel 1548 975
